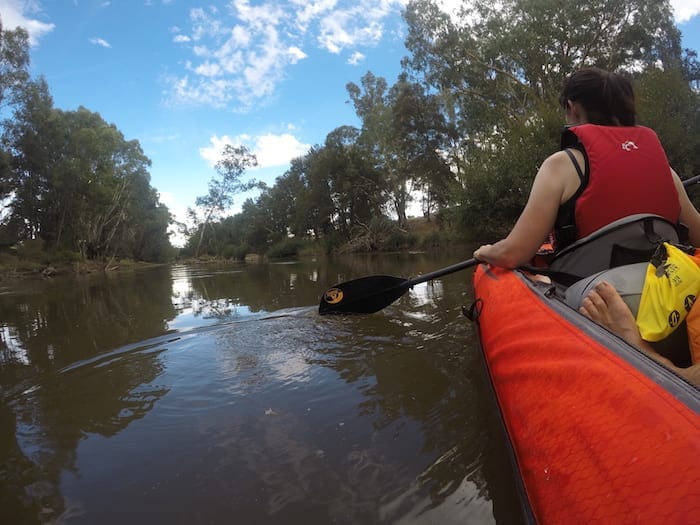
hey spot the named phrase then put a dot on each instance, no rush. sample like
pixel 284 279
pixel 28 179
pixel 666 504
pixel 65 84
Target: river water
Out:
pixel 217 394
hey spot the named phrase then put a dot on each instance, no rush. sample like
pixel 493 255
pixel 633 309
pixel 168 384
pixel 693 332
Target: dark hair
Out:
pixel 608 98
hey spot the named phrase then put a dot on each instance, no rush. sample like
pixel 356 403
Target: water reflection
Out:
pixel 190 395
pixel 47 325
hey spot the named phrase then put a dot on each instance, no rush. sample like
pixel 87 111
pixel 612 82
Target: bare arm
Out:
pixel 555 182
pixel 689 215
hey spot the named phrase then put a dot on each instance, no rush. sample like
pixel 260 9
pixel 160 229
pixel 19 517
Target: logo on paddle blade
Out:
pixel 333 296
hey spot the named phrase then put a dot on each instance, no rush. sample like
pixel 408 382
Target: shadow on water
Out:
pixel 198 395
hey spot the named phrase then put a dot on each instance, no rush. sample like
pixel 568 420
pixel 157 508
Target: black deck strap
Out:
pixel 683 233
pixel 564 278
pixel 650 233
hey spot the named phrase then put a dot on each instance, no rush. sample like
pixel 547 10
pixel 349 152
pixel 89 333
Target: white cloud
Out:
pixel 213 92
pixel 356 58
pixel 208 69
pixel 278 150
pixel 178 209
pixel 247 49
pixel 270 150
pixel 358 24
pixel 100 42
pixel 684 10
pixel 310 11
pixel 19 13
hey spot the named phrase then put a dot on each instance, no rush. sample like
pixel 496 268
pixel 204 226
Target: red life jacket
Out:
pixel 626 173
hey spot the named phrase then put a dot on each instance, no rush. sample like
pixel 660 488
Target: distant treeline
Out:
pixel 465 126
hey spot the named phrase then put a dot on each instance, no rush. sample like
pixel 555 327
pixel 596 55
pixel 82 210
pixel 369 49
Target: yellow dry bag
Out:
pixel 671 284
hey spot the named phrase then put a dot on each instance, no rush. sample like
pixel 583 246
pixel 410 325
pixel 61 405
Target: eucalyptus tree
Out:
pixel 14 62
pixel 104 175
pixel 422 137
pixel 29 138
pixel 356 185
pixel 143 234
pixel 500 60
pixel 14 74
pixel 290 197
pixel 222 188
pixel 320 206
pixel 256 222
pixel 76 183
pixel 373 106
pixel 274 206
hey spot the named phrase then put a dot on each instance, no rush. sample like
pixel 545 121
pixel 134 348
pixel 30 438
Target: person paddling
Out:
pixel 613 169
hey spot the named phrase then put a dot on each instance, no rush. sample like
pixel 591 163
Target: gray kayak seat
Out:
pixel 628 240
pixel 628 280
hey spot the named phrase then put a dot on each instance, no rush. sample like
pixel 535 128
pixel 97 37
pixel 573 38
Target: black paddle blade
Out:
pixel 362 296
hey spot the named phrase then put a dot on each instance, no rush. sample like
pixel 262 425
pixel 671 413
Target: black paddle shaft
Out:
pixel 691 180
pixel 367 295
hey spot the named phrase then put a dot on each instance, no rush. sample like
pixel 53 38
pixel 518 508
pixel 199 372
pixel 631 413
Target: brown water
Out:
pixel 218 395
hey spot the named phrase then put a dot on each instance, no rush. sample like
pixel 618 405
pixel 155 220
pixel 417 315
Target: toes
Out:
pixel 605 291
pixel 596 299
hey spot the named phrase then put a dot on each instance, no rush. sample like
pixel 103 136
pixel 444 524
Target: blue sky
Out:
pixel 186 77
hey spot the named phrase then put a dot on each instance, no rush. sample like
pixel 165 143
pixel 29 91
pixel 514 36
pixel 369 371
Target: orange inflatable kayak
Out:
pixel 600 432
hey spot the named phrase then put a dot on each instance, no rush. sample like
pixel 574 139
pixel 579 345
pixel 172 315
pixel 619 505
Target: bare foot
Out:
pixel 605 306
pixel 692 374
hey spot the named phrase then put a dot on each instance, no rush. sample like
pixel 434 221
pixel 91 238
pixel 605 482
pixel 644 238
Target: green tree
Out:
pixel 668 104
pixel 381 145
pixel 14 66
pixel 422 138
pixel 356 186
pixel 320 207
pixel 14 63
pixel 292 197
pixel 76 183
pixel 31 141
pixel 230 168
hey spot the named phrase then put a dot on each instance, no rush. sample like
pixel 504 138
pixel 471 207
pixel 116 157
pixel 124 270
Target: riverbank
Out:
pixel 14 267
pixel 420 235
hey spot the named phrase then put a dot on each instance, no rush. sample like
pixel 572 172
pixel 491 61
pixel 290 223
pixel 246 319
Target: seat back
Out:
pixel 628 240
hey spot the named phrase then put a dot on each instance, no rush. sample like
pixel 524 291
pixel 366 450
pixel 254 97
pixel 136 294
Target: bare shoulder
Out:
pixel 562 160
pixel 559 170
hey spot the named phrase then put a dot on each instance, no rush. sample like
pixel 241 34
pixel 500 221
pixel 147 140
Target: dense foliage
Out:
pixel 72 187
